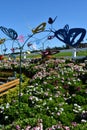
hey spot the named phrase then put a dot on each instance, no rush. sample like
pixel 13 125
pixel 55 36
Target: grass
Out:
pixel 60 54
pixel 82 53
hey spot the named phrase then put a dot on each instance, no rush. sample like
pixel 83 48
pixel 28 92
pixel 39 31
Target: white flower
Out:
pixel 7 105
pixel 44 103
pixel 79 109
pixel 34 89
pixel 75 105
pixel 73 95
pixel 79 106
pixel 58 113
pixel 36 98
pixel 69 83
pixel 6 117
pixel 83 121
pixel 30 86
pixel 78 79
pixel 50 98
pixel 56 108
pixel 61 109
pixel 75 111
pixel 83 111
pixel 1 109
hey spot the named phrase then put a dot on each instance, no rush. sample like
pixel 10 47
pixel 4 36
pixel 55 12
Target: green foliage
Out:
pixel 56 94
pixel 80 127
pixel 66 118
pixel 48 121
pixel 80 100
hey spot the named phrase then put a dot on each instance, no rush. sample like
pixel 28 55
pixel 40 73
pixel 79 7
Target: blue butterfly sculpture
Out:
pixel 9 32
pixel 68 36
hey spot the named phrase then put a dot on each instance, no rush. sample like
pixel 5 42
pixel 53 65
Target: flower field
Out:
pixel 53 97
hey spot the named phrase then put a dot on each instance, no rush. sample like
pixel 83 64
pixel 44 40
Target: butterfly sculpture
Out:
pixel 9 32
pixel 2 40
pixel 69 36
pixel 51 21
pixel 39 28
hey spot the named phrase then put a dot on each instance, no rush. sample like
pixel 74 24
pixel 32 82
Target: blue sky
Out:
pixel 23 15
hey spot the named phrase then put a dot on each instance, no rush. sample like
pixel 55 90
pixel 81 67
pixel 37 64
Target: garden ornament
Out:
pixel 39 28
pixel 68 36
pixel 9 32
pixel 2 40
pixel 51 21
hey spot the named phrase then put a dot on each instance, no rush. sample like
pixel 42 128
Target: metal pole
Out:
pixel 20 77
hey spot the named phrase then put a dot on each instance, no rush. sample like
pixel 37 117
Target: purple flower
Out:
pixel 28 127
pixel 78 88
pixel 17 127
pixel 66 128
pixel 74 124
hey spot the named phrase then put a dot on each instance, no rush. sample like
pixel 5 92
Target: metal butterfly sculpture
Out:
pixel 51 21
pixel 9 32
pixel 68 36
pixel 2 40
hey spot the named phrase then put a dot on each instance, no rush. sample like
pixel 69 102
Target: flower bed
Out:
pixel 53 97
